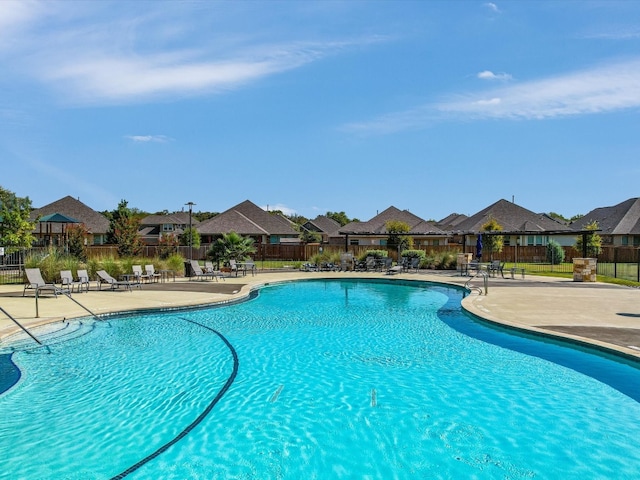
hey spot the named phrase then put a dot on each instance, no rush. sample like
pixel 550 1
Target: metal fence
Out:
pixel 613 261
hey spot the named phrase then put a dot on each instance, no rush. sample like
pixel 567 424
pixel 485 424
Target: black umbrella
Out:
pixel 479 246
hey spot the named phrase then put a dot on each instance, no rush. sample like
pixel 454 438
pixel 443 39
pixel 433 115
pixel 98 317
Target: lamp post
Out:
pixel 191 204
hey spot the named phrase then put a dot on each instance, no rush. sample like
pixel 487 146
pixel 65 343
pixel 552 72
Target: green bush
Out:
pixel 554 253
pixel 414 254
pixel 175 262
pixel 377 254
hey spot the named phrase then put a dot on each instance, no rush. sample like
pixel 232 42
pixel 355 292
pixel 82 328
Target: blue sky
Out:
pixel 308 107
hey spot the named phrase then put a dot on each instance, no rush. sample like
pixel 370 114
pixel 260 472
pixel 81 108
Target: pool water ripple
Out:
pixel 342 379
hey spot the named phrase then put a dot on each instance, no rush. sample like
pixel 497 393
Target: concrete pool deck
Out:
pixel 602 314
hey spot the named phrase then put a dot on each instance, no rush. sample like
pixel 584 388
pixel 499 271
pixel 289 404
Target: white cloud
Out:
pixel 148 138
pixel 601 89
pixel 279 206
pixel 489 75
pixel 492 6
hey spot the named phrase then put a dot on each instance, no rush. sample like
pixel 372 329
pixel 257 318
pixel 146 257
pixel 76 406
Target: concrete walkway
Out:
pixel 601 314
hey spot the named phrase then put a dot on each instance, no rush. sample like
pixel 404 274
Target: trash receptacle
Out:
pixel 188 269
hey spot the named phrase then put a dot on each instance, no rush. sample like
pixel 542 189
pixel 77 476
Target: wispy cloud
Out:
pixel 489 75
pixel 601 89
pixel 148 138
pixel 129 59
pixel 619 34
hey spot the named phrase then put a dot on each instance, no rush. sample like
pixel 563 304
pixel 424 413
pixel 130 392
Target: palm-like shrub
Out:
pixel 231 246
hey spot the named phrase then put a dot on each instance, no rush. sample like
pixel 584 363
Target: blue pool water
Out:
pixel 316 380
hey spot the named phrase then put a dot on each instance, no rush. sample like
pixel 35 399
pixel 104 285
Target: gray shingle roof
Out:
pixel 512 218
pixel 247 218
pixel 95 222
pixel 323 224
pixel 178 218
pixel 451 221
pixel 377 225
pixel 620 219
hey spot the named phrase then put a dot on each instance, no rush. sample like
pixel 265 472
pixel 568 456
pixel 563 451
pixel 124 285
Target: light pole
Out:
pixel 191 204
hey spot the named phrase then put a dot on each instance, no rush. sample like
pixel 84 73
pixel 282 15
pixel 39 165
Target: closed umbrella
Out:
pixel 479 246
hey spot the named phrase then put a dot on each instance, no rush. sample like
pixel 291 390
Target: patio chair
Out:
pixel 67 281
pixel 496 267
pixel 197 272
pixel 414 264
pixel 151 274
pixel 83 278
pixel 309 267
pixel 36 283
pixel 139 274
pixel 346 262
pixel 235 267
pixel 209 269
pixel 370 264
pixel 392 270
pixel 104 277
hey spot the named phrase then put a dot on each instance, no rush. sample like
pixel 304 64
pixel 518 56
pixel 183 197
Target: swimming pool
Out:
pixel 315 379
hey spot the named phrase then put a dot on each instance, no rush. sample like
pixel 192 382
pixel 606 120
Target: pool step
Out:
pixel 49 334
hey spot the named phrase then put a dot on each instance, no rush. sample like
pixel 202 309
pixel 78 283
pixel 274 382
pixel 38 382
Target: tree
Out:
pixel 77 236
pixel 340 217
pixel 190 233
pixel 492 243
pixel 167 245
pixel 397 239
pixel 16 230
pixel 594 241
pixel 554 253
pixel 308 236
pixel 231 246
pixel 123 231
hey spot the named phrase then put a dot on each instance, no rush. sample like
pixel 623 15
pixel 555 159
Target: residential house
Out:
pixel 323 226
pixel 518 223
pixel 249 220
pixel 52 233
pixel 451 221
pixel 374 231
pixel 153 227
pixel 619 225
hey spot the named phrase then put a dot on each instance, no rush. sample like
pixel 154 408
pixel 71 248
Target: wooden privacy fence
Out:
pixel 509 253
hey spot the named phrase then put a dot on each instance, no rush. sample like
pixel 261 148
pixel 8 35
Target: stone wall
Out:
pixel 584 269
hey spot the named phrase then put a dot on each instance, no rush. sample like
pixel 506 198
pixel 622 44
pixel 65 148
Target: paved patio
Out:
pixel 602 314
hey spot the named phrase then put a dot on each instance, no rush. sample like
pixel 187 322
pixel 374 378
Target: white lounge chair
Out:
pixel 83 278
pixel 67 281
pixel 197 272
pixel 151 273
pixel 36 283
pixel 139 274
pixel 115 284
